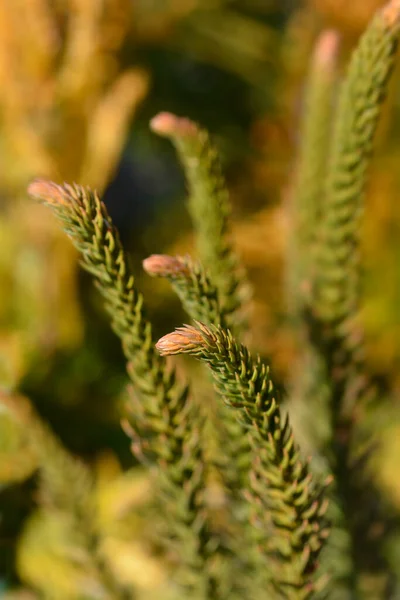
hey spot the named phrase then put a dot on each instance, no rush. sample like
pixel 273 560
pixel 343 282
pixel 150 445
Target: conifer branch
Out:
pixel 287 503
pixel 336 298
pixel 164 424
pixel 309 385
pixel 313 163
pixel 89 226
pixel 337 290
pixel 200 299
pixel 334 326
pixel 209 208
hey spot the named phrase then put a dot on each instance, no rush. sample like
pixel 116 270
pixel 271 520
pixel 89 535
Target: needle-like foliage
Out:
pixel 288 506
pixel 209 209
pixel 165 426
pixel 200 299
pixel 312 164
pixel 337 288
pixel 334 279
pixel 215 294
pixel 87 223
pixel 276 506
pixel 308 382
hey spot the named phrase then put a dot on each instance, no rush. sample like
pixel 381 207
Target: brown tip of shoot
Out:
pixel 168 125
pixel 326 49
pixel 47 191
pixel 391 13
pixel 184 340
pixel 163 265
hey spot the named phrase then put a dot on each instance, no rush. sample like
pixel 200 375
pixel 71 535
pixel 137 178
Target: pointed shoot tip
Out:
pixel 47 191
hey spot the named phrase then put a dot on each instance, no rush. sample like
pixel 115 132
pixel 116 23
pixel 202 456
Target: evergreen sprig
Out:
pixel 309 381
pixel 200 299
pixel 164 424
pixel 336 294
pixel 337 289
pixel 288 505
pixel 336 297
pixel 312 165
pixel 162 396
pixel 333 318
pixel 209 209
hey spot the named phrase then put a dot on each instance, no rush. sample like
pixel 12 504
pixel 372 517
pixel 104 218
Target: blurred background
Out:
pixel 79 82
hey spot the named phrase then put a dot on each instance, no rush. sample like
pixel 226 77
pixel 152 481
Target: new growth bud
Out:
pixel 168 125
pixel 184 340
pixel 391 13
pixel 162 265
pixel 326 50
pixel 48 192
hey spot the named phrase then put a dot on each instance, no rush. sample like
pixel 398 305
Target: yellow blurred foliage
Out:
pixel 387 462
pixel 65 107
pixel 62 89
pixel 118 497
pixel 18 458
pixel 51 556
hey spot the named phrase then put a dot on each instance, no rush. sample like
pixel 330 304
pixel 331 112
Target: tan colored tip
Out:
pixel 163 265
pixel 183 340
pixel 168 125
pixel 391 13
pixel 48 191
pixel 326 49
